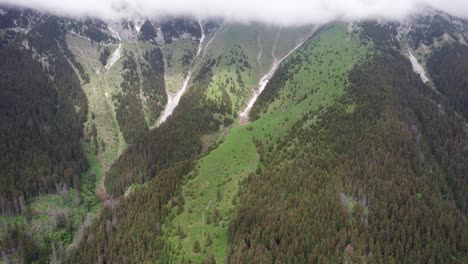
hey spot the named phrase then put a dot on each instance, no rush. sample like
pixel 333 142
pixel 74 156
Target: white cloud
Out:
pixel 269 11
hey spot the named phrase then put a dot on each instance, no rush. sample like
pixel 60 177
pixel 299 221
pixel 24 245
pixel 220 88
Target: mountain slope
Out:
pixel 211 195
pixel 177 140
pixel 448 67
pixel 344 185
pixel 43 109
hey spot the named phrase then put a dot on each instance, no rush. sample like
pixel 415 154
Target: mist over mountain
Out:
pixel 293 12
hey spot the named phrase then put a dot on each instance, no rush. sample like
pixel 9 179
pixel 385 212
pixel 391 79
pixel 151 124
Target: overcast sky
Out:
pixel 269 11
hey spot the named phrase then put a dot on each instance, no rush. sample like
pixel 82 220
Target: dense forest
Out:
pixel 153 83
pixel 362 186
pixel 42 115
pixel 137 218
pixel 448 67
pixel 129 110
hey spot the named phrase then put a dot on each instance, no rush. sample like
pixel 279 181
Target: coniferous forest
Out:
pixel 41 126
pixel 358 186
pixel 133 141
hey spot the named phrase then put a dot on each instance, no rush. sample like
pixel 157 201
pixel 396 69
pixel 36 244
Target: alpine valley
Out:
pixel 185 140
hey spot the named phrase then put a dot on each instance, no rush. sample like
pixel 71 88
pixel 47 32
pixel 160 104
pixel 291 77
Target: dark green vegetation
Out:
pixel 344 186
pixel 174 28
pixel 211 197
pixel 105 54
pixel 432 27
pixel 448 68
pixel 161 157
pixel 175 140
pixel 143 84
pixel 138 219
pixel 347 158
pixel 153 83
pixel 148 32
pixel 94 29
pixel 41 124
pixel 48 172
pixel 129 112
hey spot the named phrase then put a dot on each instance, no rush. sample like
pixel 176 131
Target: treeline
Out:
pixel 42 111
pixel 385 183
pixel 41 118
pixel 94 29
pixel 448 68
pixel 175 28
pixel 432 27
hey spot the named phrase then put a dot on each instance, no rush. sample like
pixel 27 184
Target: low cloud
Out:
pixel 284 12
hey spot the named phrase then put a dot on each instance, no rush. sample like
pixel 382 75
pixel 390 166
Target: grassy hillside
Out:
pixel 243 53
pixel 178 56
pixel 359 186
pixel 212 194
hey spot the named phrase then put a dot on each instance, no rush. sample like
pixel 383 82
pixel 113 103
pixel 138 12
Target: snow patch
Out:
pixel 266 78
pixel 25 44
pixel 2 12
pixel 173 100
pixel 117 53
pixel 200 46
pixel 137 27
pixel 137 23
pixel 417 67
pixel 114 58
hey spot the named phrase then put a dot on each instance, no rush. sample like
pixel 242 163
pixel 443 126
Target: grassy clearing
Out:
pixel 318 81
pixel 215 188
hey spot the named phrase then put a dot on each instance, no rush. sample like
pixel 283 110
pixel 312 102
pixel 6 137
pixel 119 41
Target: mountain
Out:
pixel 177 140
